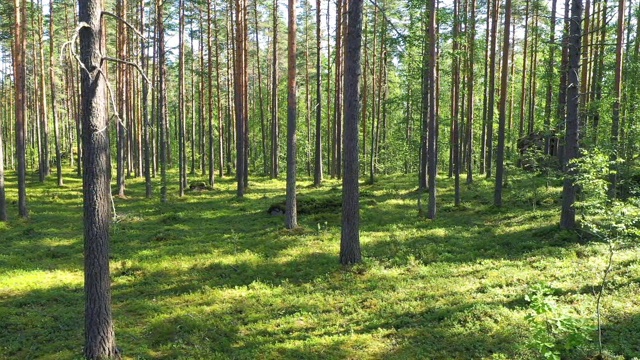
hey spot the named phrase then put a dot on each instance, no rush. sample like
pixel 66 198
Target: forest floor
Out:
pixel 211 276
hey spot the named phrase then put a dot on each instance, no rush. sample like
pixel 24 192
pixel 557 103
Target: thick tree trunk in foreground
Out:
pixel 99 334
pixel 350 239
pixel 568 214
pixel 291 218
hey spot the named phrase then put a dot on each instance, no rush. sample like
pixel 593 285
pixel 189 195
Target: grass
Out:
pixel 210 276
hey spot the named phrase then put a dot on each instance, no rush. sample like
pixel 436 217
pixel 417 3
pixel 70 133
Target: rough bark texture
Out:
pixel 568 214
pixel 502 107
pixel 291 218
pixel 350 239
pixel 99 333
pixel 19 71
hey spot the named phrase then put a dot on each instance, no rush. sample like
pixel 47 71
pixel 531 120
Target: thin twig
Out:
pixel 384 15
pixel 125 62
pixel 126 23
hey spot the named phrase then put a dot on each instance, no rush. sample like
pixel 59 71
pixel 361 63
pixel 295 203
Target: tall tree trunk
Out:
pixel 523 89
pixel 123 93
pixel 145 106
pixel 291 216
pixel 99 332
pixel 568 214
pixel 492 82
pixel 470 102
pixel 432 163
pixel 19 74
pixel 617 95
pixel 3 198
pixel 275 123
pixel 502 110
pixel 182 151
pixel 455 99
pixel 260 102
pixel 54 97
pixel 337 128
pixel 317 170
pixel 216 31
pixel 240 96
pixel 350 237
pixel 162 101
pixel 211 145
pixel 550 79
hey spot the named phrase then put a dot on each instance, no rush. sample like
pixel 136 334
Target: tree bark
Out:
pixel 502 110
pixel 275 123
pixel 568 214
pixel 291 216
pixel 350 237
pixel 617 96
pixel 432 163
pixel 19 74
pixel 54 97
pixel 99 332
pixel 317 170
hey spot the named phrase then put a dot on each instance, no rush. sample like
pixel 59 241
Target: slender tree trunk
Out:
pixel 502 110
pixel 240 96
pixel 291 216
pixel 19 74
pixel 3 198
pixel 350 238
pixel 568 214
pixel 317 170
pixel 617 96
pixel 216 31
pixel 433 125
pixel 145 106
pixel 210 55
pixel 99 332
pixel 162 101
pixel 492 82
pixel 523 89
pixel 275 123
pixel 455 99
pixel 550 79
pixel 122 98
pixel 54 99
pixel 182 151
pixel 260 102
pixel 470 101
pixel 337 129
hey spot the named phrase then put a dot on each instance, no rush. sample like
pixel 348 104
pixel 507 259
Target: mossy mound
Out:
pixel 307 205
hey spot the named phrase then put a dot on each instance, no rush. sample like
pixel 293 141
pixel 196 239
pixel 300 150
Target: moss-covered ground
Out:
pixel 211 276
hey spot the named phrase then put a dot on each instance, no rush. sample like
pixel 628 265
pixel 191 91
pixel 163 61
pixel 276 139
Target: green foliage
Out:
pixel 607 219
pixel 555 329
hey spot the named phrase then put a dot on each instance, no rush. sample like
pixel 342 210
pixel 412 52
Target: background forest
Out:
pixel 489 159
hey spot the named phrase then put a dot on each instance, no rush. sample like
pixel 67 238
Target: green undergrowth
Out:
pixel 211 276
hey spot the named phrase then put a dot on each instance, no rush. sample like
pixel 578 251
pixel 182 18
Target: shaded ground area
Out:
pixel 210 276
